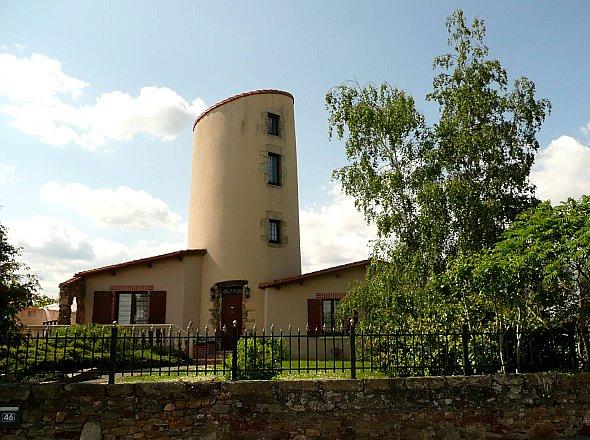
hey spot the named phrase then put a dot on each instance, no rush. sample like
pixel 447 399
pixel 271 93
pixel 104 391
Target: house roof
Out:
pixel 299 278
pixel 241 95
pixel 176 254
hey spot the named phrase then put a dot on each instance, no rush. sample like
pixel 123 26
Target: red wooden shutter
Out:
pixel 157 309
pixel 102 308
pixel 314 316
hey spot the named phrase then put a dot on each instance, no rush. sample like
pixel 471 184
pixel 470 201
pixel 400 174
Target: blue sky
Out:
pixel 77 193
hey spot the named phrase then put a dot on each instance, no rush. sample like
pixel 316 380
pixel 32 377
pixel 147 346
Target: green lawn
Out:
pixel 293 370
pixel 172 377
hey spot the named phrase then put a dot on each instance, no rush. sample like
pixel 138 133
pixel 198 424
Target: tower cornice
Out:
pixel 241 95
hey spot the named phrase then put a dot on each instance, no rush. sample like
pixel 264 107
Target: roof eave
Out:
pixel 178 254
pixel 300 278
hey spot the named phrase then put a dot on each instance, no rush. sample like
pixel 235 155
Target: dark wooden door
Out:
pixel 231 310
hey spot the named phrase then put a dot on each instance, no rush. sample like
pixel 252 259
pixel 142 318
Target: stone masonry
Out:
pixel 532 406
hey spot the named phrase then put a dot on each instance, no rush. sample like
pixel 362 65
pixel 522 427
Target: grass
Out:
pixel 303 370
pixel 172 377
pixel 322 375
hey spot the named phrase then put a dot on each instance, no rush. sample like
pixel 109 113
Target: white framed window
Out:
pixel 133 308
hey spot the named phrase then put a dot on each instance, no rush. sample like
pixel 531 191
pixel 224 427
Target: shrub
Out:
pixel 71 349
pixel 259 359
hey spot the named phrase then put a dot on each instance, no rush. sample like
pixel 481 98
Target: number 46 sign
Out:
pixel 10 414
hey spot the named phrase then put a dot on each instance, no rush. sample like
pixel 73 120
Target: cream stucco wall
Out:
pixel 288 304
pixel 181 279
pixel 230 198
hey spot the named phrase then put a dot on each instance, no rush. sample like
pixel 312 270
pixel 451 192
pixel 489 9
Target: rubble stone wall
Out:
pixel 531 406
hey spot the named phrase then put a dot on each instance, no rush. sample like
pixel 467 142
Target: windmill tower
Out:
pixel 244 207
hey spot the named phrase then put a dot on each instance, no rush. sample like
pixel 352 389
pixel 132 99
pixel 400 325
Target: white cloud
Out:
pixel 109 251
pixel 37 78
pixel 55 250
pixel 51 237
pixel 42 103
pixel 7 175
pixel 52 248
pixel 334 233
pixel 562 170
pixel 124 206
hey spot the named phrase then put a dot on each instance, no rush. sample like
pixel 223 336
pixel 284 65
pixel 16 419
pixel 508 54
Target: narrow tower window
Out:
pixel 274 231
pixel 274 169
pixel 273 124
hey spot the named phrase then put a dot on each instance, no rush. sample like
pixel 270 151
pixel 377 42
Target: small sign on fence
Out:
pixel 10 414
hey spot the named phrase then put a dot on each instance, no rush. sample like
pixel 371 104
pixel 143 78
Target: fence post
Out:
pixel 234 353
pixel 352 351
pixel 465 340
pixel 113 355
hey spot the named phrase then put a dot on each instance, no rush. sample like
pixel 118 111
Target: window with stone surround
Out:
pixel 274 231
pixel 274 124
pixel 273 169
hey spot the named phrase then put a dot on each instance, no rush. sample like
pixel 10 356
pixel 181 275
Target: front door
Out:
pixel 231 310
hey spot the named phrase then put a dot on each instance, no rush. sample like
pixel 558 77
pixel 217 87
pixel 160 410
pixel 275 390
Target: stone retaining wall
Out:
pixel 533 406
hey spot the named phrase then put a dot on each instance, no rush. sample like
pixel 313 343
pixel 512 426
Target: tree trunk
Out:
pixel 501 349
pixel 583 328
pixel 519 368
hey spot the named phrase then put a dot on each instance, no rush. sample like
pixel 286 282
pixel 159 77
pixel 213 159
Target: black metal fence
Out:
pixel 82 353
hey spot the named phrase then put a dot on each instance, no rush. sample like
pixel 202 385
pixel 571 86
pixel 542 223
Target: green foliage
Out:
pixel 70 349
pixel 435 192
pixel 43 301
pixel 17 287
pixel 259 358
pixel 537 275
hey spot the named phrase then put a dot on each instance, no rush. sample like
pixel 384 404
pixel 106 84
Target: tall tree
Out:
pixel 437 191
pixel 17 287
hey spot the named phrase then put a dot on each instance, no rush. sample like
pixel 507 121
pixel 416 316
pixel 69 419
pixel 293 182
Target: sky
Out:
pixel 97 101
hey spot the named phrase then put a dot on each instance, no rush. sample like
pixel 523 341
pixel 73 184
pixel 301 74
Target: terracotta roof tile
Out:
pixel 178 254
pixel 281 281
pixel 70 281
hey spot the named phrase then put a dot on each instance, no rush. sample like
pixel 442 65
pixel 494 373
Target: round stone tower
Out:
pixel 244 207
